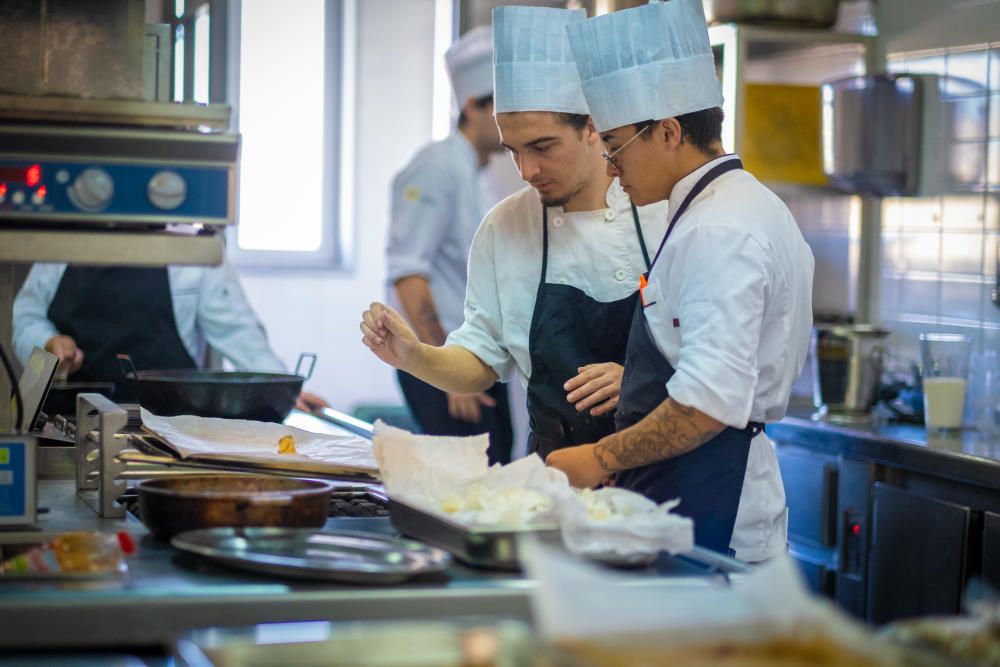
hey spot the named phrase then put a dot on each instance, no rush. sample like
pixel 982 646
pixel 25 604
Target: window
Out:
pixel 287 108
pixel 192 25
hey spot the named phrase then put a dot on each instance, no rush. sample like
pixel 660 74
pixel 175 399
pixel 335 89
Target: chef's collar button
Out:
pixel 620 274
pixel 610 215
pixel 557 222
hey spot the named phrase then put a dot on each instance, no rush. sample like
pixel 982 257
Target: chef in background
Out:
pixel 162 317
pixel 723 327
pixel 436 207
pixel 554 268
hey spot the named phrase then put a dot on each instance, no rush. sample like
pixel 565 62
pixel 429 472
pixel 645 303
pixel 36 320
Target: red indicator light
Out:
pixel 33 175
pixel 42 191
pixel 856 529
pixel 3 189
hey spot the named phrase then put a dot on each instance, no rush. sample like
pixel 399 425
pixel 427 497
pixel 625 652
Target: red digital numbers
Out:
pixel 33 175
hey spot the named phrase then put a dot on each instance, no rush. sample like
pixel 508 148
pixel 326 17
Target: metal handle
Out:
pixel 878 356
pixel 996 289
pixel 312 364
pixel 124 359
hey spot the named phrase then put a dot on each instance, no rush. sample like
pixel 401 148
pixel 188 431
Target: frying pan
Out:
pixel 175 504
pixel 267 397
pixel 61 399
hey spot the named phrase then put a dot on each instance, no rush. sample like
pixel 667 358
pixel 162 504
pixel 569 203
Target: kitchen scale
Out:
pixel 19 452
pixel 18 481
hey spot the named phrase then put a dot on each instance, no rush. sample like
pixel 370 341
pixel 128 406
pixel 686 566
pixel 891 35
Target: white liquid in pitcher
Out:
pixel 944 398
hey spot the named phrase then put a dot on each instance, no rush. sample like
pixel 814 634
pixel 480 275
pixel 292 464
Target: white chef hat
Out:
pixel 646 63
pixel 533 66
pixel 470 65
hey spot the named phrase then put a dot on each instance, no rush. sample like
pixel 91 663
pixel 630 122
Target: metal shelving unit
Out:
pixel 738 48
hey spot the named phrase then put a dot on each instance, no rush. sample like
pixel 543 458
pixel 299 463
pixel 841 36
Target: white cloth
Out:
pixel 437 204
pixel 470 65
pixel 729 304
pixel 646 63
pixel 533 66
pixel 595 251
pixel 209 306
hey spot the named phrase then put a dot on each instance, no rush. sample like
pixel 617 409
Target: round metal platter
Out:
pixel 342 556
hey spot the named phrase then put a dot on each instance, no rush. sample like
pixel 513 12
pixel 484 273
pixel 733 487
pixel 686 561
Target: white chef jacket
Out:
pixel 729 304
pixel 437 205
pixel 209 306
pixel 597 252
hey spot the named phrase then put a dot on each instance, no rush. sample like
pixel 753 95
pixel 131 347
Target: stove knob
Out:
pixel 92 190
pixel 167 190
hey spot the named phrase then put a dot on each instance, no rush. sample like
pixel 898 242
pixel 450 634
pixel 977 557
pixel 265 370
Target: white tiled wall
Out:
pixel 938 264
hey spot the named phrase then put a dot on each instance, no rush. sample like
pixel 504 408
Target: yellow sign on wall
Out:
pixel 781 136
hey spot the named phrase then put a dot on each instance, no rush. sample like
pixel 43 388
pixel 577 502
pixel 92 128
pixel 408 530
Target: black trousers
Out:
pixel 429 406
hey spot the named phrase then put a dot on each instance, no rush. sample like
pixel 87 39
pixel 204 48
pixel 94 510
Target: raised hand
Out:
pixel 388 336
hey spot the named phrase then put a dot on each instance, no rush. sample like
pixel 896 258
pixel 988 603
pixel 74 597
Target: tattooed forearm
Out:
pixel 429 326
pixel 418 304
pixel 670 430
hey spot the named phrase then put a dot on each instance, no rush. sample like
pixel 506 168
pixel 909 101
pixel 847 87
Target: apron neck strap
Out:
pixel 545 242
pixel 703 182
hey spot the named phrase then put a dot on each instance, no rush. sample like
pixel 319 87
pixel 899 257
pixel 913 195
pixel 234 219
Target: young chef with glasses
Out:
pixel 553 268
pixel 723 325
pixel 436 208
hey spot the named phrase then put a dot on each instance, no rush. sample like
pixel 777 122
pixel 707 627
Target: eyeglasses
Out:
pixel 610 157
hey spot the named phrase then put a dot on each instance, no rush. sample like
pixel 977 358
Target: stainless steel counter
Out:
pixel 968 457
pixel 167 593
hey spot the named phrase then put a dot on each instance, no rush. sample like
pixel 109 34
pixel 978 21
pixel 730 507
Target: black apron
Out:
pixel 108 310
pixel 569 330
pixel 709 479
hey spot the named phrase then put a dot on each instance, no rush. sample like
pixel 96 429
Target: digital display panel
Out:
pixel 30 176
pixel 13 174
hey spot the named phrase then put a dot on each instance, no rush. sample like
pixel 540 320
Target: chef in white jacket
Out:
pixel 554 268
pixel 161 317
pixel 723 326
pixel 437 204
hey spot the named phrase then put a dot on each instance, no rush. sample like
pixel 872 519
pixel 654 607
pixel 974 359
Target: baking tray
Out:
pixel 135 113
pixel 494 548
pixel 497 548
pixel 446 643
pixel 342 556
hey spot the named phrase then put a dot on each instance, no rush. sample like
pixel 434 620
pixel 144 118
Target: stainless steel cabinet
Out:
pixel 919 555
pixel 811 494
pixel 991 549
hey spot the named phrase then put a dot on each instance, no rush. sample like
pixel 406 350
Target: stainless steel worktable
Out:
pixel 167 593
pixel 968 456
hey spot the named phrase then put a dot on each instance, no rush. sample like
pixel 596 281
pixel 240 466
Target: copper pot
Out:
pixel 173 505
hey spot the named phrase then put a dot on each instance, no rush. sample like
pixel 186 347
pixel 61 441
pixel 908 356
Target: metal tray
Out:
pixel 482 547
pixel 457 643
pixel 497 548
pixel 342 556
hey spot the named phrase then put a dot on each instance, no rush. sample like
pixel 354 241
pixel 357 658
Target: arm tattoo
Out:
pixel 670 430
pixel 430 325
